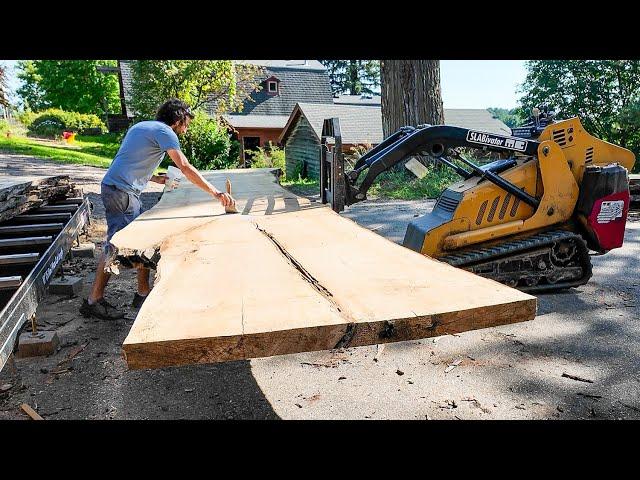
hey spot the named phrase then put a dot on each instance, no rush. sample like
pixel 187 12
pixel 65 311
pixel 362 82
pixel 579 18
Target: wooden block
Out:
pixel 286 277
pixel 417 168
pixel 30 411
pixel 84 250
pixel 42 343
pixel 68 285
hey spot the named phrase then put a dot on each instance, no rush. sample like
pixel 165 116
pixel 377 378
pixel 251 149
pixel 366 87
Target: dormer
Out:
pixel 272 86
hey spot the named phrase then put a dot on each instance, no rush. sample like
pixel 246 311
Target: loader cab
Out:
pixel 539 120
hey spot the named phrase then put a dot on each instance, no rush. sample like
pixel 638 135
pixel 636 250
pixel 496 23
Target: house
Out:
pixel 360 124
pixel 284 83
pixel 265 113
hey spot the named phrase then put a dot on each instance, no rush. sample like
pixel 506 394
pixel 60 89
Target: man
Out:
pixel 141 152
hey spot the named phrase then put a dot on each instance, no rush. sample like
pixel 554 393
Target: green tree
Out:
pixel 604 94
pixel 4 96
pixel 71 85
pixel 353 77
pixel 224 84
pixel 207 144
pixel 30 92
pixel 510 117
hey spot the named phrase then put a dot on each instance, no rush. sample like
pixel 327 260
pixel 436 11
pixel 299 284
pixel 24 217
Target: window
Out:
pixel 272 87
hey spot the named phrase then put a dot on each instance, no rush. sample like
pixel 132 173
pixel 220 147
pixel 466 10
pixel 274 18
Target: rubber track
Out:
pixel 471 257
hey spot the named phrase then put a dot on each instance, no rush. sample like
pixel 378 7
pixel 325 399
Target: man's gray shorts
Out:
pixel 121 208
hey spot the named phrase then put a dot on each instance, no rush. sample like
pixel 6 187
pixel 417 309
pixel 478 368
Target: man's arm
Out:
pixel 196 178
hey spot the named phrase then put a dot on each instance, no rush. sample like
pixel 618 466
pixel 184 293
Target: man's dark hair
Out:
pixel 173 110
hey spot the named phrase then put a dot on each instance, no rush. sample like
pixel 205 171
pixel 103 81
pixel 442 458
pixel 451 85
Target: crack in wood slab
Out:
pixel 298 266
pixel 347 337
pixel 321 289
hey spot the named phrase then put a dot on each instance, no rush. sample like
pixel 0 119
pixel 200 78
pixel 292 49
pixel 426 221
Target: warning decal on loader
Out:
pixel 610 211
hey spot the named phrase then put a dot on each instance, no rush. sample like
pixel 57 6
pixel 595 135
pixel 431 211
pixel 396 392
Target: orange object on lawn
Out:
pixel 70 137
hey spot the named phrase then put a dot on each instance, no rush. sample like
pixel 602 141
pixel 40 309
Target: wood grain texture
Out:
pixel 288 276
pixel 19 194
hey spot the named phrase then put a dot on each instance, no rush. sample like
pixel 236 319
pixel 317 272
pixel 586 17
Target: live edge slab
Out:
pixel 287 275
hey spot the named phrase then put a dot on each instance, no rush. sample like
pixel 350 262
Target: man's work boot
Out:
pixel 138 300
pixel 101 309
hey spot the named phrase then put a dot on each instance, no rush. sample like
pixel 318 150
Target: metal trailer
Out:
pixel 33 246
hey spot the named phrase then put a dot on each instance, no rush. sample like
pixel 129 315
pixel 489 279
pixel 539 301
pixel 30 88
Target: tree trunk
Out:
pixel 353 77
pixel 411 94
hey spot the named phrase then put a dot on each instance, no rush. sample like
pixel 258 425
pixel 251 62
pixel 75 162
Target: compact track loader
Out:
pixel 528 220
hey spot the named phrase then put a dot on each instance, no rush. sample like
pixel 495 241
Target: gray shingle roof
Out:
pixel 363 124
pixel 358 123
pixel 357 100
pixel 298 83
pixel 125 71
pixel 257 121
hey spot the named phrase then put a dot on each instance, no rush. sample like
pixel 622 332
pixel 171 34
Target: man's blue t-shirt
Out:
pixel 141 152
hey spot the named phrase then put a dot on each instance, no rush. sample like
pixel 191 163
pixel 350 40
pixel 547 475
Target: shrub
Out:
pixel 27 117
pixel 4 127
pixel 46 126
pixel 207 144
pixel 53 121
pixel 234 154
pixel 298 173
pixel 270 156
pixel 403 185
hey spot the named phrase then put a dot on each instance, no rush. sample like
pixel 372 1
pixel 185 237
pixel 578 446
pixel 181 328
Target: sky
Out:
pixel 465 83
pixel 481 83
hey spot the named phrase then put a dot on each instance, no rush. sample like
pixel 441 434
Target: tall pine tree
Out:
pixel 353 77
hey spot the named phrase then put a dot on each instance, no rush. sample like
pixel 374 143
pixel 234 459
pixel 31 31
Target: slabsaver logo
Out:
pixel 496 141
pixel 52 266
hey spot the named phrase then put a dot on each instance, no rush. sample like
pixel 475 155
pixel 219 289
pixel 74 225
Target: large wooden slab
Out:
pixel 290 276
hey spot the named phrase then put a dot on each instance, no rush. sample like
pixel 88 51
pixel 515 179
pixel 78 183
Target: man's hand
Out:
pixel 225 199
pixel 161 179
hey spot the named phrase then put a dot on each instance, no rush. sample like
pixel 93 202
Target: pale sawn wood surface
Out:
pixel 286 275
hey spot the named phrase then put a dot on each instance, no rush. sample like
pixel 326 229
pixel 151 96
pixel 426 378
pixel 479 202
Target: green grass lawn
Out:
pixel 405 186
pixel 99 151
pixel 303 186
pixel 93 151
pixel 389 185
